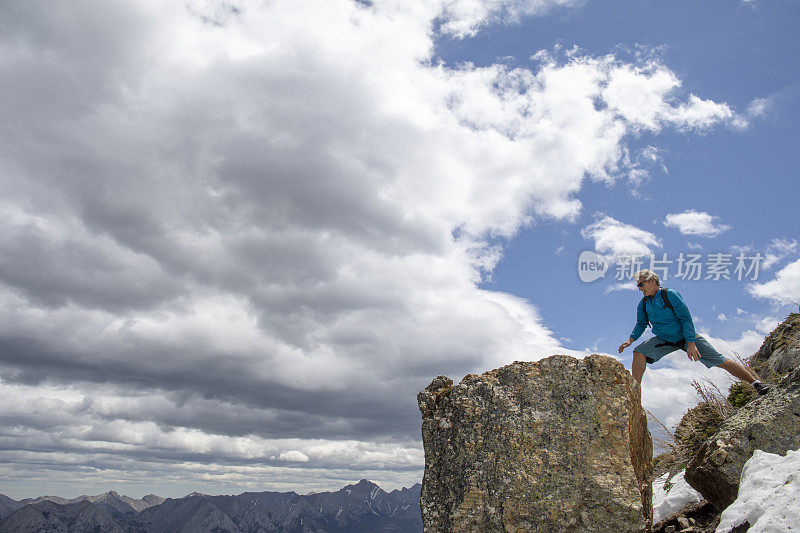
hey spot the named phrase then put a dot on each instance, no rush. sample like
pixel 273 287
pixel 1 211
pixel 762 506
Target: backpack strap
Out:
pixel 666 298
pixel 666 302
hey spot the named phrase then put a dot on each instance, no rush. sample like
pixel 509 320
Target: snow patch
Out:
pixel 769 495
pixel 668 501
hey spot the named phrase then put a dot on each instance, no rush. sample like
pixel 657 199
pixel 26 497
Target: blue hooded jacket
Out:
pixel 667 325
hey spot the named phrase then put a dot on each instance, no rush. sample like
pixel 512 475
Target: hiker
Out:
pixel 674 329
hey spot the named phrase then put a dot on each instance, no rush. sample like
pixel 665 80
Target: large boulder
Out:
pixel 555 445
pixel 770 423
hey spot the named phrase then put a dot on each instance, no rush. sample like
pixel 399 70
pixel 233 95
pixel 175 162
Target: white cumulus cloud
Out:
pixel 778 250
pixel 465 17
pixel 693 222
pixel 619 239
pixel 784 289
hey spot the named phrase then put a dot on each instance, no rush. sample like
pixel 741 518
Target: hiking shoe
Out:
pixel 761 389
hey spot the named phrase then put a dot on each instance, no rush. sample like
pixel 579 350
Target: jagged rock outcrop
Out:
pixel 559 444
pixel 781 349
pixel 770 423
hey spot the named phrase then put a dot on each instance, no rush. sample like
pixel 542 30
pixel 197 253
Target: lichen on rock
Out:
pixel 780 351
pixel 559 444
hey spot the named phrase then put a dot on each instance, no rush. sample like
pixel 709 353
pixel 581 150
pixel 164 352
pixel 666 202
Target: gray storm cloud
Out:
pixel 234 232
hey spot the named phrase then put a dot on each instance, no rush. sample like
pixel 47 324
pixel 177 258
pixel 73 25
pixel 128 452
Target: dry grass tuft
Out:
pixel 674 456
pixel 709 393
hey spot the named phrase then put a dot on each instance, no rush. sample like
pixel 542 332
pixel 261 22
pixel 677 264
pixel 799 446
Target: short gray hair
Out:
pixel 645 275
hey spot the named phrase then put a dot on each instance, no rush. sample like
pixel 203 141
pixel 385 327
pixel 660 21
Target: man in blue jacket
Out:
pixel 674 329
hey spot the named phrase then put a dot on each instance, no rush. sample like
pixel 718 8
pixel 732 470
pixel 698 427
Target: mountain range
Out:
pixel 363 507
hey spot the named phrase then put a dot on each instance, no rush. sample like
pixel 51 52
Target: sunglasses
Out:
pixel 641 284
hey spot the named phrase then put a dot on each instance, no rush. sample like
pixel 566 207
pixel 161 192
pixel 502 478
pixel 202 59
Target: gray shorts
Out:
pixel 655 348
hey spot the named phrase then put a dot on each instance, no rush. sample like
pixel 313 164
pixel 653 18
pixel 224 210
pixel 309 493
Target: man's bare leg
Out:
pixel 638 366
pixel 737 371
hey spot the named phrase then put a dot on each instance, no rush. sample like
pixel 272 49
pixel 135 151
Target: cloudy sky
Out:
pixel 238 237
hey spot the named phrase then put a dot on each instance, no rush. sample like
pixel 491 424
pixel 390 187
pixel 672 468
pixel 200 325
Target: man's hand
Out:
pixel 692 352
pixel 625 345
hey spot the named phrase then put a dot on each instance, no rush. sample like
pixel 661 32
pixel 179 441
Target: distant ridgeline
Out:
pixel 354 509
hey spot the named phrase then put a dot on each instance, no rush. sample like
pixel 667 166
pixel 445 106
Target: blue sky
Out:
pixel 238 237
pixel 734 52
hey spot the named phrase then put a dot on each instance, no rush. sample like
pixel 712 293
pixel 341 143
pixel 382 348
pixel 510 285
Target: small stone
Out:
pixel 718 457
pixel 683 522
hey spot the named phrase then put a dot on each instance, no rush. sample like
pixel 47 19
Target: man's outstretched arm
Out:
pixel 638 329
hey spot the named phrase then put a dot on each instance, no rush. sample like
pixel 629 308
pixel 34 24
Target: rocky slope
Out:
pixel 770 423
pixel 781 349
pixel 47 516
pixel 360 507
pixel 721 448
pixel 8 506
